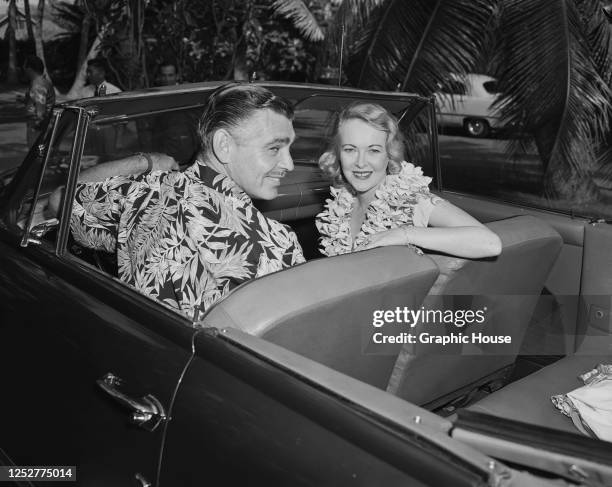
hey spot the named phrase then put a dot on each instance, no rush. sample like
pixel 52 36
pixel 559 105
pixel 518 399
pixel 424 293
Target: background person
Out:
pixel 96 83
pixel 168 74
pixel 383 200
pixel 39 98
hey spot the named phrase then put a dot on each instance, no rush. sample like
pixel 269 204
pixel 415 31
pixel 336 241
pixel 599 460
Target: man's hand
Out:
pixel 54 203
pixel 163 162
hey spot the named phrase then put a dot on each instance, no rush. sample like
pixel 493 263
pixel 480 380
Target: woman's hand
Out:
pixel 394 236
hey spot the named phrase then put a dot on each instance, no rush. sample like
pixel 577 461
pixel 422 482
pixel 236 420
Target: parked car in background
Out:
pixel 284 381
pixel 466 103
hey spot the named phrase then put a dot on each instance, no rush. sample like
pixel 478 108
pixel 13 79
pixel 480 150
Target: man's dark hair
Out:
pixel 168 62
pixel 35 64
pixel 98 63
pixel 233 103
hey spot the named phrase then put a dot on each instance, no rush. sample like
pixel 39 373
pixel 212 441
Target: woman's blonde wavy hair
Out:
pixel 377 117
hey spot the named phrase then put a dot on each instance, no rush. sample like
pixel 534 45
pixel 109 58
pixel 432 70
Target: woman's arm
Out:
pixel 452 231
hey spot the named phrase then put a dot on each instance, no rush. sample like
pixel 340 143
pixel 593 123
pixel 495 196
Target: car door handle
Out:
pixel 147 412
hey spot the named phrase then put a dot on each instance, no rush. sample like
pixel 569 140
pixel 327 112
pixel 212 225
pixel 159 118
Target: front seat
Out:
pixel 507 288
pixel 323 309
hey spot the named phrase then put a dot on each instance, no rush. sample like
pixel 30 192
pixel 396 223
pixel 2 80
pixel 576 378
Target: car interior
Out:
pixel 549 290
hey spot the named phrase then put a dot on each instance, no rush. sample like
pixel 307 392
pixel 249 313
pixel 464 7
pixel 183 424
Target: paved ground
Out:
pixel 13 146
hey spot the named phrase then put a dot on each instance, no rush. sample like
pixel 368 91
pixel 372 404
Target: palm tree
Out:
pixel 35 33
pixel 11 76
pixel 28 16
pixel 552 58
pixel 301 16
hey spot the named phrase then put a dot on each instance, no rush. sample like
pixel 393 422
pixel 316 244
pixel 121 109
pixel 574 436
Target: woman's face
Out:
pixel 363 156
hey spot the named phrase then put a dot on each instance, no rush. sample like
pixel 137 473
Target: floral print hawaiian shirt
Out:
pixel 401 199
pixel 39 101
pixel 185 239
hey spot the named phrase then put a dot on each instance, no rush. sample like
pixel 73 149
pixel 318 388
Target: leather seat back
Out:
pixel 506 289
pixel 323 309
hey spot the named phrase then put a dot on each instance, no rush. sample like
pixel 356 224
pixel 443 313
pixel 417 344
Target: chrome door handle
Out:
pixel 142 481
pixel 147 412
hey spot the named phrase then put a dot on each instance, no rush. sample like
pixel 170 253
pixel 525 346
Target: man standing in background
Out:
pixel 96 81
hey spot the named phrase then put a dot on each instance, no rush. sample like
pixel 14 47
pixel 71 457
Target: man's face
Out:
pixel 259 153
pixel 95 75
pixel 167 75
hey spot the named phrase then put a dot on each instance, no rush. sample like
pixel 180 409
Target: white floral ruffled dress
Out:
pixel 401 199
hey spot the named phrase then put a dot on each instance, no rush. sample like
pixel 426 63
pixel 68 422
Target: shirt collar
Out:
pixel 219 182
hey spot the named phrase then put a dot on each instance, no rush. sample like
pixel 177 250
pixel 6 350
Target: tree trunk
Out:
pixel 240 65
pixel 28 15
pixel 79 80
pixel 38 33
pixel 11 75
pixel 84 40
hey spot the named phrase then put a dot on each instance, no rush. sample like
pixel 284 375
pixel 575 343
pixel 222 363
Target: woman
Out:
pixel 383 200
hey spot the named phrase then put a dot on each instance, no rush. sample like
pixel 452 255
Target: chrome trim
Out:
pixel 147 412
pixel 26 239
pixel 78 145
pixel 433 139
pixel 142 481
pixel 42 228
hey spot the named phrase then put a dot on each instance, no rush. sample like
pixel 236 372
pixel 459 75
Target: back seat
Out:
pixel 323 309
pixel 528 400
pixel 507 287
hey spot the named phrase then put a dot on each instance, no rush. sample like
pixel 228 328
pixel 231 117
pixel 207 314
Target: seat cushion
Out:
pixel 324 309
pixel 528 400
pixel 506 288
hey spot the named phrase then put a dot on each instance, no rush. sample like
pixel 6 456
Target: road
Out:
pixel 485 166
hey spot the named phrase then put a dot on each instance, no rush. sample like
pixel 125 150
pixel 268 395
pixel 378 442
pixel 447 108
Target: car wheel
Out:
pixel 476 127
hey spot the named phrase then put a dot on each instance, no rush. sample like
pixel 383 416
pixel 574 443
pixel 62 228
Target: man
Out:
pixel 188 238
pixel 167 74
pixel 39 98
pixel 96 84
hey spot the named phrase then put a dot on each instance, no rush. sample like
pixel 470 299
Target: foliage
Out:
pixel 552 58
pixel 555 74
pixel 303 19
pixel 414 46
pixel 207 38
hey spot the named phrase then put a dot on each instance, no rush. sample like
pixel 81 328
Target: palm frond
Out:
pixel 551 82
pixel 353 14
pixel 413 45
pixel 598 35
pixel 301 16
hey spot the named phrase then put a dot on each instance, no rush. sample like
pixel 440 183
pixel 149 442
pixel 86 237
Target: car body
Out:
pixel 467 103
pixel 100 377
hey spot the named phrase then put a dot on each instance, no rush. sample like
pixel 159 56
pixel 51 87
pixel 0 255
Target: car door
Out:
pixel 89 366
pixel 249 412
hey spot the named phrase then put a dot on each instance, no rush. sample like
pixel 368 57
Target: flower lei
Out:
pixel 393 206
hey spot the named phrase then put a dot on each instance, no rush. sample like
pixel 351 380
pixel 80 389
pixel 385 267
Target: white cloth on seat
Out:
pixel 590 406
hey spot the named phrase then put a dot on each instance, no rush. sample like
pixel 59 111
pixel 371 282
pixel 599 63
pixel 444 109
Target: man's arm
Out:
pixel 127 166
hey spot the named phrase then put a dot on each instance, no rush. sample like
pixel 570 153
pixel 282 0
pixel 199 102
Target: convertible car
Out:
pixel 328 373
